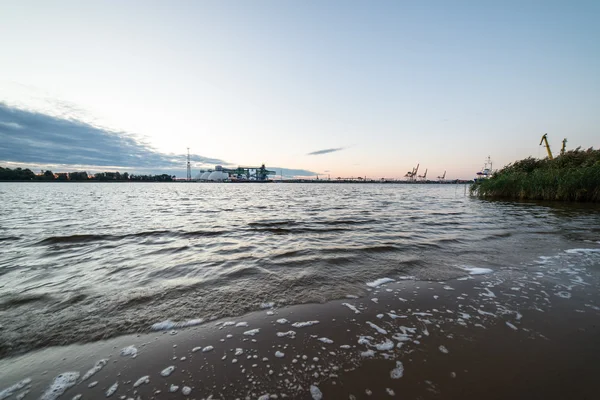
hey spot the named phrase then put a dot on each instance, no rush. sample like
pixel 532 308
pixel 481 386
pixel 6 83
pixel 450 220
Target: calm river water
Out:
pixel 84 261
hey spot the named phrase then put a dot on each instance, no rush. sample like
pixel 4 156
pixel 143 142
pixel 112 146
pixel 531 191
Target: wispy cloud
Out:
pixel 34 139
pixel 325 151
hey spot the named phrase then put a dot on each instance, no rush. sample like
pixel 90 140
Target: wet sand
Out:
pixel 512 334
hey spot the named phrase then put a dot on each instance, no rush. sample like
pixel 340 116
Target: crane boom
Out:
pixel 545 141
pixel 564 146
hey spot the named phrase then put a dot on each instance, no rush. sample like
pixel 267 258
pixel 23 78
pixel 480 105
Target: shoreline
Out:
pixel 505 334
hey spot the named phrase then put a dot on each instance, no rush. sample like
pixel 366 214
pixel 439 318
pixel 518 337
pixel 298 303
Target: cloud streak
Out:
pixel 32 138
pixel 325 151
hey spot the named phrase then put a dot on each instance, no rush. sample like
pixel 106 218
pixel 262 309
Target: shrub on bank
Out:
pixel 573 176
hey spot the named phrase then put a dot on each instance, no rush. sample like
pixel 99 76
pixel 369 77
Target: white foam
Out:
pixel 367 354
pixel 511 326
pixel 13 388
pixel 111 390
pixel 443 349
pixel 304 324
pixel 60 384
pixel 228 323
pixel 97 367
pixel 168 324
pixel 207 349
pixel 241 324
pixel 390 392
pixel 186 390
pixel 288 333
pixel 377 328
pixel 144 379
pixel 476 270
pixel 397 372
pixel 282 321
pixel 385 346
pixel 325 340
pixel 129 351
pixel 264 397
pixel 22 395
pixel 315 393
pixel 488 293
pixel 239 351
pixel 279 354
pixel 577 251
pixel 378 282
pixel 167 371
pixel 252 332
pixel 173 388
pixel 195 349
pixel 350 306
pixel 564 295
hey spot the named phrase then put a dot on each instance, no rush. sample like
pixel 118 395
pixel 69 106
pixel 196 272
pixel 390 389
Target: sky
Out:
pixel 338 88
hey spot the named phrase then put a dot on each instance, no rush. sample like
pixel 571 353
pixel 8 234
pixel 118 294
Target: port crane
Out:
pixel 424 176
pixel 545 142
pixel 441 178
pixel 411 174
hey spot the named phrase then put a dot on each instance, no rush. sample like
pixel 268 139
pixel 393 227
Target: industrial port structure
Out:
pixel 239 174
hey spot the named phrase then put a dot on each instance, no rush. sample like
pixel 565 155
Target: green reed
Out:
pixel 573 176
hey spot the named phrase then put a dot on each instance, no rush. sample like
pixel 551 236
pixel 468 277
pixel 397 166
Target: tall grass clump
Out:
pixel 573 176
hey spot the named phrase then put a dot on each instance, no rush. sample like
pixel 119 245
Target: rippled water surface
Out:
pixel 86 261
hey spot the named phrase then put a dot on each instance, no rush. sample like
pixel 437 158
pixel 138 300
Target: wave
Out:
pixel 74 239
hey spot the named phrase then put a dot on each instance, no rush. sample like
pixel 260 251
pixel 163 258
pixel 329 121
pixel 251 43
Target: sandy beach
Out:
pixel 512 334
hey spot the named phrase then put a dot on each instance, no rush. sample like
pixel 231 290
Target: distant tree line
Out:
pixel 19 174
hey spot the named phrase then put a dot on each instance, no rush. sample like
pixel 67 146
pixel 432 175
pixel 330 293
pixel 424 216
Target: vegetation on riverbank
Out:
pixel 573 176
pixel 19 174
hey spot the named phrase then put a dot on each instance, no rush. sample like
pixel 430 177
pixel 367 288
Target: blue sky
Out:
pixel 347 88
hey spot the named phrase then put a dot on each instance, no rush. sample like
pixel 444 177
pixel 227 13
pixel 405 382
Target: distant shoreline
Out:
pixel 455 182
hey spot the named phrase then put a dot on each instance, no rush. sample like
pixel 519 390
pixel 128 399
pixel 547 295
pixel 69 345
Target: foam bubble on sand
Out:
pixel 385 346
pixel 350 306
pixel 129 351
pixel 488 293
pixel 239 351
pixel 315 392
pixel 476 270
pixel 168 324
pixel 241 324
pixel 511 326
pixel 279 354
pixel 195 349
pixel 92 384
pixel 76 397
pixel 60 384
pixel 325 340
pixel 397 372
pixel 228 323
pixel 265 397
pixel 378 282
pixel 345 346
pixel 207 349
pixel 267 305
pixel 11 389
pixel 173 388
pixel 390 392
pixel 446 287
pixel 377 328
pixel 141 381
pixel 167 371
pixel 282 321
pixel 304 324
pixel 443 349
pixel 252 332
pixel 288 333
pixel 351 296
pixel 111 390
pixel 97 367
pixel 367 354
pixel 186 390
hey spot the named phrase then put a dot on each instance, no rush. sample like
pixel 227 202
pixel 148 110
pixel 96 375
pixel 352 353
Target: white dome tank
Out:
pixel 205 176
